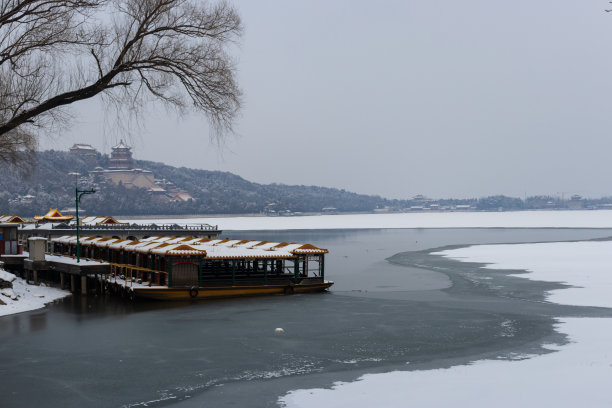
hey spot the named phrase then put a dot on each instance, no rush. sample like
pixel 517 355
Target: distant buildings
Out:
pixel 121 171
pixel 82 149
pixel 575 202
pixel 121 157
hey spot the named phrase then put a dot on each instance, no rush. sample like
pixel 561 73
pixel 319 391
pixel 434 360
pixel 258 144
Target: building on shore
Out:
pixel 12 219
pixel 53 215
pixel 9 242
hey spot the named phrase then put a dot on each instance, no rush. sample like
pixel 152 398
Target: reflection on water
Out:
pixel 38 321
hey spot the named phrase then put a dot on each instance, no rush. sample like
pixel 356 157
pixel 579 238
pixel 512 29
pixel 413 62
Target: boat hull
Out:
pixel 214 292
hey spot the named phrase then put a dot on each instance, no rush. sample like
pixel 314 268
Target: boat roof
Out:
pixel 208 248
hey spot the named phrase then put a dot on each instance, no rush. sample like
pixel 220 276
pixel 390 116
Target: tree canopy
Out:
pixel 56 52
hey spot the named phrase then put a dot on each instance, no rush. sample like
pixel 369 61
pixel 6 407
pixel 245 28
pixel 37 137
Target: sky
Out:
pixel 397 98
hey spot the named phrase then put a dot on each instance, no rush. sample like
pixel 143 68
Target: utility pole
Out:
pixel 77 199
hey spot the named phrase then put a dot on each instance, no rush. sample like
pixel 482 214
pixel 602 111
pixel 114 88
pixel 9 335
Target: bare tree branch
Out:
pixel 174 49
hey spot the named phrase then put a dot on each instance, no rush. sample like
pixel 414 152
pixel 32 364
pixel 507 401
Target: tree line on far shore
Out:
pixel 49 186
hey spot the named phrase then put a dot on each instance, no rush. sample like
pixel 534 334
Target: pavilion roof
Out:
pixel 53 215
pixel 12 218
pixel 207 248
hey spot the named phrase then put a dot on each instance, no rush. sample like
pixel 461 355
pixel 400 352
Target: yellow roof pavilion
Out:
pixel 53 216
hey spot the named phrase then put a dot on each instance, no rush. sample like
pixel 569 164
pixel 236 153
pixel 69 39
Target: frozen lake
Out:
pixel 420 312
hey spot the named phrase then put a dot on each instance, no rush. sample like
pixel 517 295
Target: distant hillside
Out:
pixel 214 192
pixel 49 185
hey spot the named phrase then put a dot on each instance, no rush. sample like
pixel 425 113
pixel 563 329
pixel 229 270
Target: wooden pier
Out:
pixel 70 274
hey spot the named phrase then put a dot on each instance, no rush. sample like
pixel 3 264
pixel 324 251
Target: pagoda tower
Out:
pixel 121 157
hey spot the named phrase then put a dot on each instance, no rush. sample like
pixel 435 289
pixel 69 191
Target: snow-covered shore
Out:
pixel 585 265
pixel 23 297
pixel 576 374
pixel 511 219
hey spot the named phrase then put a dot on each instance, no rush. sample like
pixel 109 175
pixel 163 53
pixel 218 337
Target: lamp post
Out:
pixel 77 199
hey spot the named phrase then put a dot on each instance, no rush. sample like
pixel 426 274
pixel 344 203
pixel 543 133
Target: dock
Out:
pixel 36 266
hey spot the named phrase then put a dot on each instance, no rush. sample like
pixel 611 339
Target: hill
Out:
pixel 50 185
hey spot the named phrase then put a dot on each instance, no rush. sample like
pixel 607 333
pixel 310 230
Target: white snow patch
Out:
pixel 510 219
pixel 578 375
pixel 586 265
pixel 24 297
pixel 73 261
pixel 6 276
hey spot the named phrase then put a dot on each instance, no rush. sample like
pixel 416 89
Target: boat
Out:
pixel 180 268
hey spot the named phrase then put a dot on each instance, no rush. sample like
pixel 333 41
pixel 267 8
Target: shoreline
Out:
pixel 24 297
pixel 600 219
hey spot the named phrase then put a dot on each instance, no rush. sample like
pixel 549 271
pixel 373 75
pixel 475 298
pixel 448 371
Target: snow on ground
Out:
pixel 513 219
pixel 23 297
pixel 587 265
pixel 576 376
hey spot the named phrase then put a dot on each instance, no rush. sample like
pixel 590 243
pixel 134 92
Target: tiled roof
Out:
pixel 208 248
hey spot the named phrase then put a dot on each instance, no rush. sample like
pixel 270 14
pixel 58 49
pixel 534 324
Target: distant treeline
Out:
pixel 49 185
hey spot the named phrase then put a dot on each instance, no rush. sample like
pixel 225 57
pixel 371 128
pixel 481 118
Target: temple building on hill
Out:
pixel 128 178
pixel 121 157
pixel 83 149
pixel 121 170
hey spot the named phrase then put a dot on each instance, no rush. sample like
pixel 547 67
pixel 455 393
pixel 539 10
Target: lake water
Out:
pixel 418 312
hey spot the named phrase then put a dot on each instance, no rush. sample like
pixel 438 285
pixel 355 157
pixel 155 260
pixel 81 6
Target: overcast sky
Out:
pixel 444 98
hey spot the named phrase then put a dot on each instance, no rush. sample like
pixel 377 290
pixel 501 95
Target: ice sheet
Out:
pixel 586 265
pixel 576 376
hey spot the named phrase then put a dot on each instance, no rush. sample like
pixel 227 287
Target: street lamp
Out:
pixel 77 199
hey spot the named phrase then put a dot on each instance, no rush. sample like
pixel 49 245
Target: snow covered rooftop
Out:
pixel 11 218
pixel 100 220
pixel 210 248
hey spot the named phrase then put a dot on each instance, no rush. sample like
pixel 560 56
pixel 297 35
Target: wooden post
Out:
pixel 322 265
pixel 62 279
pixel 35 272
pixel 72 284
pixel 233 272
pixel 200 277
pixel 265 265
pixel 83 285
pixel 169 266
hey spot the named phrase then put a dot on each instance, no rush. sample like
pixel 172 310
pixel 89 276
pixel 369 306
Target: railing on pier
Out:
pixel 141 227
pixel 129 272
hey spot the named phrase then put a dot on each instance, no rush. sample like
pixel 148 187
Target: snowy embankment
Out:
pixel 576 375
pixel 586 265
pixel 23 297
pixel 513 219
